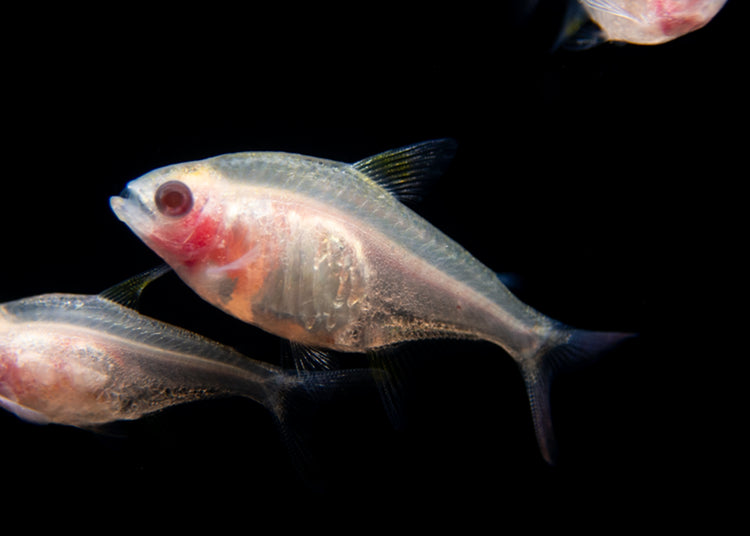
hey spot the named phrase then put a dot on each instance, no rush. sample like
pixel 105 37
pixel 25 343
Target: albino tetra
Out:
pixel 324 254
pixel 87 360
pixel 650 22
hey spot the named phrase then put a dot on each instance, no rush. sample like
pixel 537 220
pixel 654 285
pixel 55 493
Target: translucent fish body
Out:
pixel 324 253
pixel 84 360
pixel 314 251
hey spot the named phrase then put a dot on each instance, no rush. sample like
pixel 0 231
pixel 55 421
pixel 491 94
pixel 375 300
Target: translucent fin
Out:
pixel 306 358
pixel 386 370
pixel 295 406
pixel 586 37
pixel 576 347
pixel 389 374
pixel 405 172
pixel 128 292
pixel 578 32
pixel 608 6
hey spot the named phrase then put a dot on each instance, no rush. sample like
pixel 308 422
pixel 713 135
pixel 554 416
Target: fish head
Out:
pixel 650 22
pixel 172 210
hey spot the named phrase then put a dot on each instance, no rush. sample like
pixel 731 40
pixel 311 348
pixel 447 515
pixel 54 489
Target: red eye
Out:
pixel 173 198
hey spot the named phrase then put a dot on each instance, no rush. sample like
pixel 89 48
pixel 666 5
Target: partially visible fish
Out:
pixel 324 254
pixel 650 22
pixel 86 360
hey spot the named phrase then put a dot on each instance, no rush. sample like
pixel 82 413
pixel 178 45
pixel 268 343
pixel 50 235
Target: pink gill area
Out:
pixel 245 259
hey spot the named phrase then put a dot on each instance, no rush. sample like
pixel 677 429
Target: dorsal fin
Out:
pixel 128 292
pixel 404 172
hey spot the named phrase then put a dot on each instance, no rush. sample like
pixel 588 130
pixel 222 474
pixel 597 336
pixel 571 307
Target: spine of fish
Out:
pixel 559 347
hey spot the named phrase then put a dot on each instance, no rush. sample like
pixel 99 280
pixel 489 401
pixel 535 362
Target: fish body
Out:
pixel 84 360
pixel 650 22
pixel 325 254
pixel 314 251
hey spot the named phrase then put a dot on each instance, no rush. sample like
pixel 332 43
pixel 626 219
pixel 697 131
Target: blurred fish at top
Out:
pixel 584 24
pixel 650 22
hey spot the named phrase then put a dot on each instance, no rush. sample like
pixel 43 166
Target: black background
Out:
pixel 595 175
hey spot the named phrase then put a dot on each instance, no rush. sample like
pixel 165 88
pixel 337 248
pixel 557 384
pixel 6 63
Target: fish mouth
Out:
pixel 131 210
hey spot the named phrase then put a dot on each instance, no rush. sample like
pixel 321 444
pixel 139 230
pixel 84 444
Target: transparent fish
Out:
pixel 325 254
pixel 650 22
pixel 87 360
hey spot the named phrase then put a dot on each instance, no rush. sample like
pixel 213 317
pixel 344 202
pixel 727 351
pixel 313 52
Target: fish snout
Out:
pixel 117 204
pixel 129 207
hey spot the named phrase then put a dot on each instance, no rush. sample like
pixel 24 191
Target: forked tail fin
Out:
pixel 573 346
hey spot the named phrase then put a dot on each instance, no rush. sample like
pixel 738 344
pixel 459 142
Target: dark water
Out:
pixel 592 174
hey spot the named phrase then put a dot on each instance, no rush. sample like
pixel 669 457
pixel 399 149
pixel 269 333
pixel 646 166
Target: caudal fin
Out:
pixel 574 347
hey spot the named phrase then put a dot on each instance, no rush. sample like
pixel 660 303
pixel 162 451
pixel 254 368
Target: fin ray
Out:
pixel 390 375
pixel 576 347
pixel 607 6
pixel 128 292
pixel 295 406
pixel 404 172
pixel 306 358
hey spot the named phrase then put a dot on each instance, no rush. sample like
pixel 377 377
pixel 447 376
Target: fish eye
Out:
pixel 174 198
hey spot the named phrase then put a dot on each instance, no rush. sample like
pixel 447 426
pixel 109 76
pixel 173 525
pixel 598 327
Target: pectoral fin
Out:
pixel 128 292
